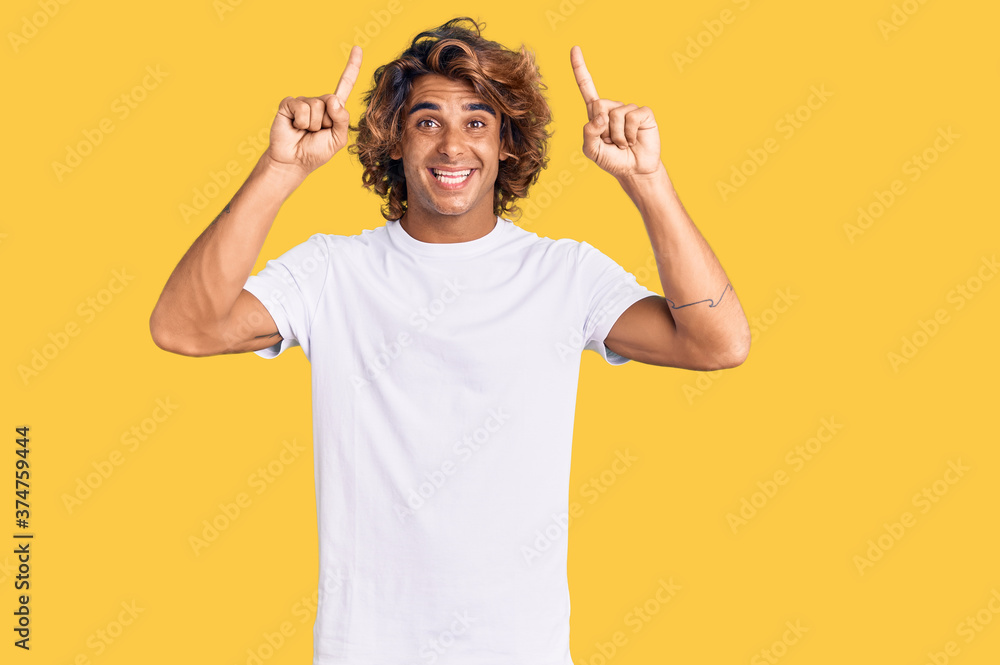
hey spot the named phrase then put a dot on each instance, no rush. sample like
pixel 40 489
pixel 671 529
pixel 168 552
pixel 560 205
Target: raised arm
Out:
pixel 700 323
pixel 203 309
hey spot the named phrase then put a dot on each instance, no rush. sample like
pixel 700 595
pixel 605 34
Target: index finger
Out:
pixel 350 75
pixel 583 79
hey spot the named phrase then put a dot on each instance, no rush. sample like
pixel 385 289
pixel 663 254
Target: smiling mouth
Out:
pixel 452 177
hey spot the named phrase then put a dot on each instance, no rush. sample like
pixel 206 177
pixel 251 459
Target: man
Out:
pixel 445 345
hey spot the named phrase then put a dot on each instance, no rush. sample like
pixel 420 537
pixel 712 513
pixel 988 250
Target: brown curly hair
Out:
pixel 507 80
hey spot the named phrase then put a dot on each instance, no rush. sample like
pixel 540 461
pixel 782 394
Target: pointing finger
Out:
pixel 583 79
pixel 350 75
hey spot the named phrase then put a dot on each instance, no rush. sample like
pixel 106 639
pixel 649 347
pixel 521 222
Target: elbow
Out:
pixel 167 339
pixel 161 338
pixel 738 351
pixel 729 357
pixel 719 361
pixel 709 355
pixel 736 357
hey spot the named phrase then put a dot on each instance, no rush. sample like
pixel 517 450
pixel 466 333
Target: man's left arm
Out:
pixel 700 324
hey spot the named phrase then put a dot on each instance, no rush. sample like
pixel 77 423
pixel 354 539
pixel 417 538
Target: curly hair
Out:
pixel 508 80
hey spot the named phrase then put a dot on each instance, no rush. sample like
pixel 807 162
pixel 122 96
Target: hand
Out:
pixel 308 131
pixel 621 138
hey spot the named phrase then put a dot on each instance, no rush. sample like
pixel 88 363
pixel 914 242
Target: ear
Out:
pixel 504 141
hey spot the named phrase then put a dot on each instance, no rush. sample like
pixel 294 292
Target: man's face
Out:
pixel 450 149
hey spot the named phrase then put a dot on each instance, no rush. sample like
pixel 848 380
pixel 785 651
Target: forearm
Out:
pixel 702 301
pixel 208 279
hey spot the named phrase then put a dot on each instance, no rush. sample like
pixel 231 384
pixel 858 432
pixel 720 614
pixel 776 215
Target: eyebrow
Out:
pixel 475 106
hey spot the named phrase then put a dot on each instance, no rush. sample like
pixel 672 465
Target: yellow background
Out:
pixel 703 441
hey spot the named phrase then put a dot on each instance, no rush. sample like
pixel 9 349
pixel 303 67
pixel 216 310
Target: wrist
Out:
pixel 282 174
pixel 638 182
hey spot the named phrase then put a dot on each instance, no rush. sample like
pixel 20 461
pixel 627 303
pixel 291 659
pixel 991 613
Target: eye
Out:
pixel 480 124
pixel 420 123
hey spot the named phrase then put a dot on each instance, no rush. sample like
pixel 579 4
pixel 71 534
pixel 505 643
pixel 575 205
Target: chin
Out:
pixel 450 210
pixel 452 213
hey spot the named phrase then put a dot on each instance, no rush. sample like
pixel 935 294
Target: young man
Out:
pixel 445 345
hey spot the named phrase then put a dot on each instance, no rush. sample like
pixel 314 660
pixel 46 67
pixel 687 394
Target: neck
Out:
pixel 436 228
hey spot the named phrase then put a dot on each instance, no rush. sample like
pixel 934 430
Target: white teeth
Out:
pixel 451 177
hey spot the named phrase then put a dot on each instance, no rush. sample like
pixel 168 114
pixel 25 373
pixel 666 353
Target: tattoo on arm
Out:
pixel 728 287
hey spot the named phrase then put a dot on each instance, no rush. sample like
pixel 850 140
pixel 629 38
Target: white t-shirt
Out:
pixel 444 384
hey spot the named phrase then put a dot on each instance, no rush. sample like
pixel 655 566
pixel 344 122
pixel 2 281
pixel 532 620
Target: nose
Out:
pixel 452 141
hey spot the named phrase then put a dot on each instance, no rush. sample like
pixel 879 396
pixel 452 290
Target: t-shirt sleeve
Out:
pixel 608 291
pixel 290 288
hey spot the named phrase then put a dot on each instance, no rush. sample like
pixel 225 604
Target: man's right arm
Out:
pixel 204 309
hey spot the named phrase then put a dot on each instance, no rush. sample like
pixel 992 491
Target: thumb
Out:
pixel 592 131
